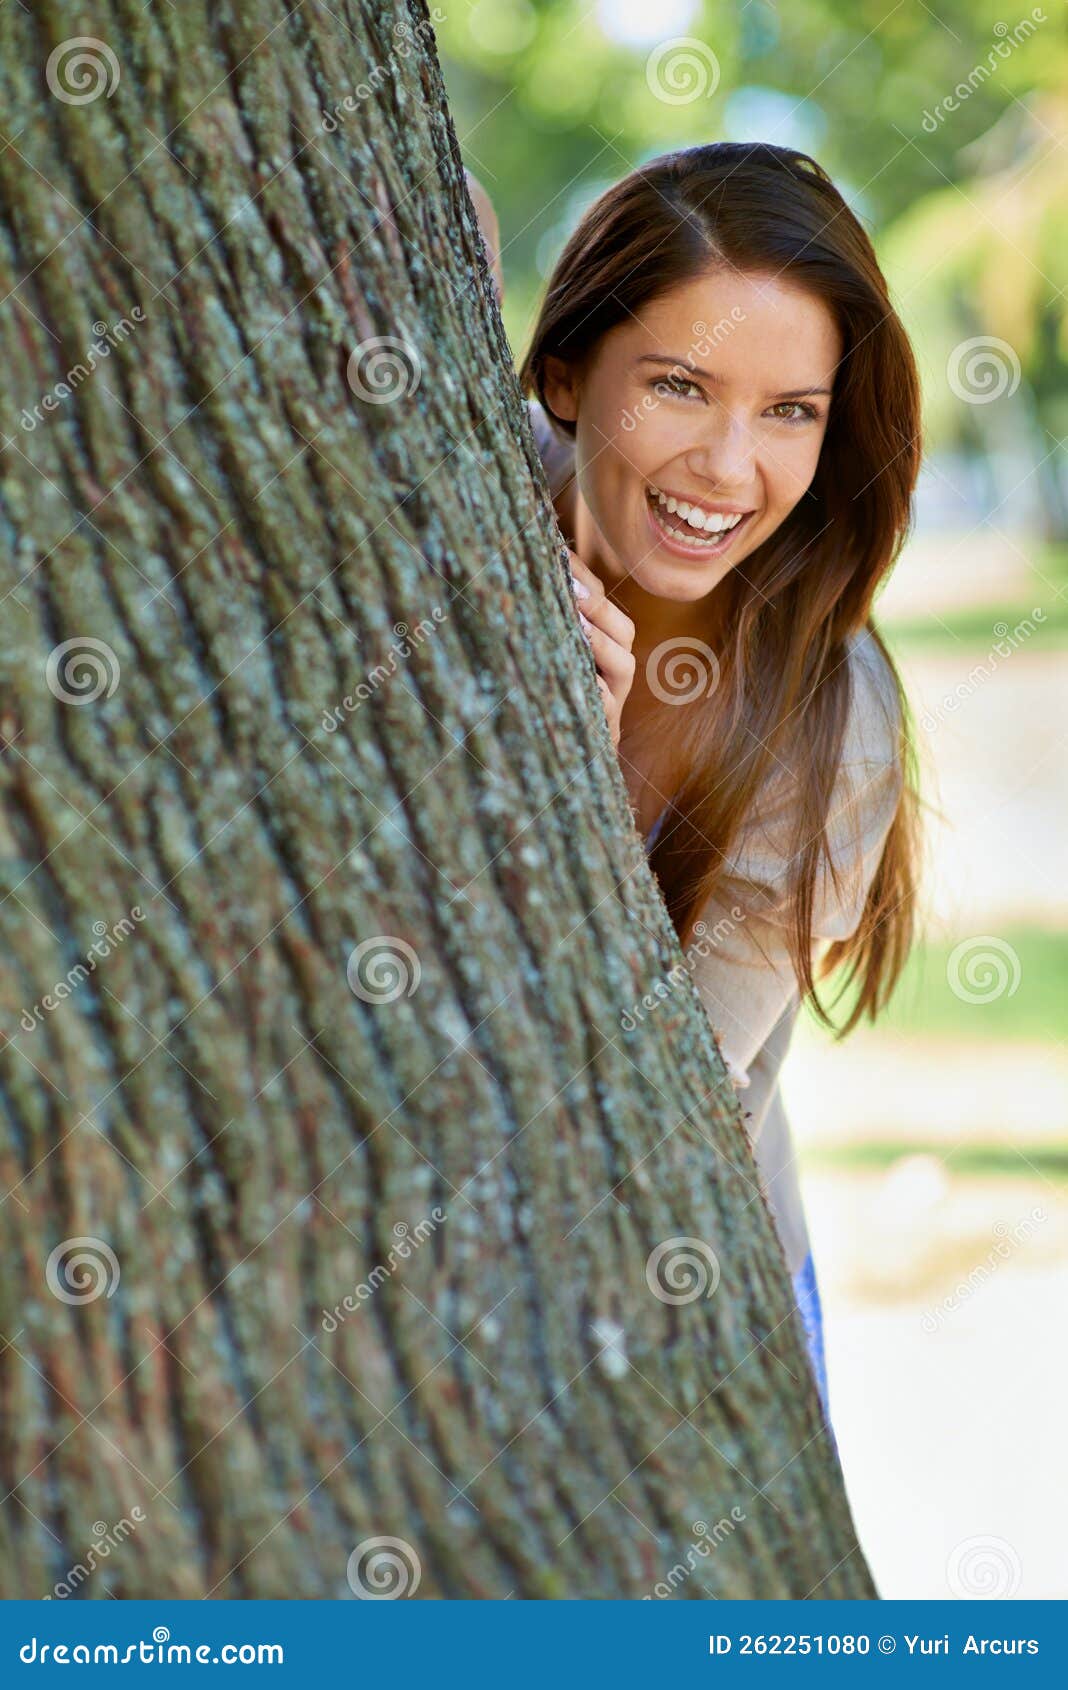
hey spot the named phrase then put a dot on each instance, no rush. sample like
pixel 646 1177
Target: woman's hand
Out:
pixel 610 633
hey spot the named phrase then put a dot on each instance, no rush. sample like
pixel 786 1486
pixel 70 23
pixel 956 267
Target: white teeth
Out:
pixel 703 522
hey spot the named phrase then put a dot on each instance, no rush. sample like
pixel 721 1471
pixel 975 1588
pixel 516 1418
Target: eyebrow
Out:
pixel 709 375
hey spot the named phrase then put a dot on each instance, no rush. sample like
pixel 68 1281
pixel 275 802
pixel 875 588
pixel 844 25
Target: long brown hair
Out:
pixel 792 609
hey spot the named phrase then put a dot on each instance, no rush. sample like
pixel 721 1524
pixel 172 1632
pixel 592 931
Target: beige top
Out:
pixel 742 968
pixel 745 977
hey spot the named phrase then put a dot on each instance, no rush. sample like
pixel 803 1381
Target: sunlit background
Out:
pixel 933 1146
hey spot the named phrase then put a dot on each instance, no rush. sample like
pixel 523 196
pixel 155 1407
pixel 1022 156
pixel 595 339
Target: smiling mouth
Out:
pixel 693 527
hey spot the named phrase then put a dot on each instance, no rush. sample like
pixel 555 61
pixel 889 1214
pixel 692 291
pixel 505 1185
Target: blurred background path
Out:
pixel 934 1147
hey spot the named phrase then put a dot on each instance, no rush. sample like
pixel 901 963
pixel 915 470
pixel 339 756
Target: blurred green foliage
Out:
pixel 1023 1161
pixel 973 628
pixel 926 1004
pixel 945 127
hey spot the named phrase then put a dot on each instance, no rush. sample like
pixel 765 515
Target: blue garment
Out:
pixel 650 838
pixel 808 1301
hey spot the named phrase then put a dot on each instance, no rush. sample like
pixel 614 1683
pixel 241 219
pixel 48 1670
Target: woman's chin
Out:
pixel 676 578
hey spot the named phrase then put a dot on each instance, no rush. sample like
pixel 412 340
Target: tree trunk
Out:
pixel 339 1206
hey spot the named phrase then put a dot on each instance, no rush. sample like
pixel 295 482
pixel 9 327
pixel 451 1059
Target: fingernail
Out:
pixel 586 624
pixel 580 588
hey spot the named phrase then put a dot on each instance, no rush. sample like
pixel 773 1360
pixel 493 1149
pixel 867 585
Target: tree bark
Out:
pixel 302 1254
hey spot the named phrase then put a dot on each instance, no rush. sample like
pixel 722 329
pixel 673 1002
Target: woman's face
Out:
pixel 714 398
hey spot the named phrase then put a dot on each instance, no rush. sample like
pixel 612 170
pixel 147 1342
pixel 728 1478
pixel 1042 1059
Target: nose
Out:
pixel 725 454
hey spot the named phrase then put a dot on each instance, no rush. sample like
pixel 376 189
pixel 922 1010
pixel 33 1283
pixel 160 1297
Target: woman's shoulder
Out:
pixel 539 422
pixel 864 801
pixel 873 725
pixel 871 740
pixel 867 792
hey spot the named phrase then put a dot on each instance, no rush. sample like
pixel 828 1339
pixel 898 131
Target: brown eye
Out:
pixel 802 412
pixel 670 387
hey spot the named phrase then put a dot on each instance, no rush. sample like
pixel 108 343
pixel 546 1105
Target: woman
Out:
pixel 727 410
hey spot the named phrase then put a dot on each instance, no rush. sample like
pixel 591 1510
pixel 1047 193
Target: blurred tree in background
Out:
pixel 985 258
